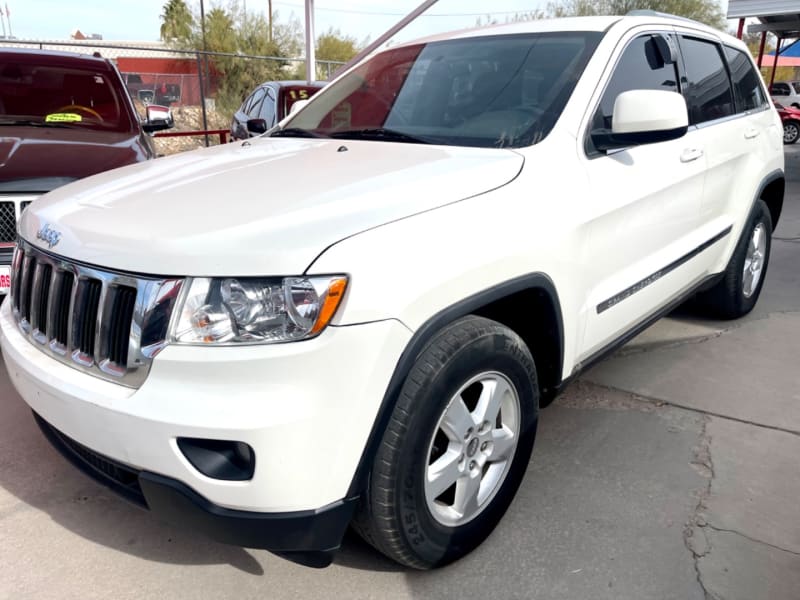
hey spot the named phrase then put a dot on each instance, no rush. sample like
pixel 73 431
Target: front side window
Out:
pixel 253 103
pixel 708 91
pixel 60 97
pixel 642 66
pixel 267 111
pixel 499 91
pixel 746 81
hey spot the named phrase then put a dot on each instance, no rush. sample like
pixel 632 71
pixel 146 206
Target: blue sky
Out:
pixel 140 19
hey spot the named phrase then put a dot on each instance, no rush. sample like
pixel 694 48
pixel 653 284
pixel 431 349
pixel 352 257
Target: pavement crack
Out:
pixel 694 538
pixel 661 402
pixel 752 539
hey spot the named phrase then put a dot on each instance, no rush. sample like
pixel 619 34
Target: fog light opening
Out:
pixel 220 459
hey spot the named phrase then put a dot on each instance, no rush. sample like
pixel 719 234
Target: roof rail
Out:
pixel 646 12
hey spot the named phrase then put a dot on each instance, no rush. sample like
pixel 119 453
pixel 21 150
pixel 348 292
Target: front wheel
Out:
pixel 791 131
pixel 456 448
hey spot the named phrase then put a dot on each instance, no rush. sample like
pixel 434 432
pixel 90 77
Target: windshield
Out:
pixel 59 97
pixel 499 91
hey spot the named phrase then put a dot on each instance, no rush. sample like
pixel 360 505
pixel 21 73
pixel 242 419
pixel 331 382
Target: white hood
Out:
pixel 267 207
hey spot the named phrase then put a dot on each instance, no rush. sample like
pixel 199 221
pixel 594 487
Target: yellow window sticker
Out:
pixel 63 118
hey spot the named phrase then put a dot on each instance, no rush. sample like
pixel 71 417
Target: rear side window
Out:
pixel 746 82
pixel 708 93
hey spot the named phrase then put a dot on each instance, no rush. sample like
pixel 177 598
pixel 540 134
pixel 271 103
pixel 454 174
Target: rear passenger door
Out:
pixel 729 118
pixel 645 206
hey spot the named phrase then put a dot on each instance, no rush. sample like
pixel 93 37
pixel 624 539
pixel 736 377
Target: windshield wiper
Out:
pixel 380 134
pixel 296 132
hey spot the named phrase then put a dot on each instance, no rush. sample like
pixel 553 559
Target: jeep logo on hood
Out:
pixel 49 235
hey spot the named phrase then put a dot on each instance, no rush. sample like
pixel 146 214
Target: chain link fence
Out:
pixel 203 89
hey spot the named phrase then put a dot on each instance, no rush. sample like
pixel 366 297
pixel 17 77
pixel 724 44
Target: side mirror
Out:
pixel 158 118
pixel 644 117
pixel 256 126
pixel 298 104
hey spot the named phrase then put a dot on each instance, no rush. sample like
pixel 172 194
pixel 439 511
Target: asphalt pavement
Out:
pixel 669 471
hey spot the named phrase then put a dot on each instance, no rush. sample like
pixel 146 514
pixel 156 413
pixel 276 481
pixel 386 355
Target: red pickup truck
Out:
pixel 63 116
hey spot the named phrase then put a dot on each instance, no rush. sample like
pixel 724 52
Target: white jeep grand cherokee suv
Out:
pixel 356 317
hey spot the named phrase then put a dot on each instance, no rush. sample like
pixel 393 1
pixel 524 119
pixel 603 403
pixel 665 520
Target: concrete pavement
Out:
pixel 668 471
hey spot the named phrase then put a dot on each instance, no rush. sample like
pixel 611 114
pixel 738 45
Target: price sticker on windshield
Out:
pixel 63 118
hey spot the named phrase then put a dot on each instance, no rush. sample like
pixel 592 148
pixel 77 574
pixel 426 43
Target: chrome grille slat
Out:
pixel 89 318
pixel 26 281
pixel 61 311
pixel 40 300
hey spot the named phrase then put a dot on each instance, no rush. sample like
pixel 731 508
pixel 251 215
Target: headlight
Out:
pixel 257 310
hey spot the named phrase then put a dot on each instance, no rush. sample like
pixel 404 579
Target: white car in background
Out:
pixel 356 318
pixel 786 93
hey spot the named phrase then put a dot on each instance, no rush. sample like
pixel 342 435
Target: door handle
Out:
pixel 691 154
pixel 751 133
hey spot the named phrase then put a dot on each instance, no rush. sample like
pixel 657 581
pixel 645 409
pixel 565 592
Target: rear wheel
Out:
pixel 456 447
pixel 791 131
pixel 737 293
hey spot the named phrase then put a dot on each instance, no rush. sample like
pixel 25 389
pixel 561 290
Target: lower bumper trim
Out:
pixel 308 537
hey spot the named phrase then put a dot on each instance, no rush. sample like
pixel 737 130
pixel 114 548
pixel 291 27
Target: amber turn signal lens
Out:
pixel 331 302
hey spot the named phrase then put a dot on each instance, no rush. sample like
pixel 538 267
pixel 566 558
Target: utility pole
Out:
pixel 270 20
pixel 311 55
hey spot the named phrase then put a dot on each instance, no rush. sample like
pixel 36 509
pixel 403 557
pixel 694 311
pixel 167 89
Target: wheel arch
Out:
pixel 771 191
pixel 529 305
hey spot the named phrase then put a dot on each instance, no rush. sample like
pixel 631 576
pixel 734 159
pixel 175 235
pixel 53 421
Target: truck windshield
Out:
pixel 496 91
pixel 59 97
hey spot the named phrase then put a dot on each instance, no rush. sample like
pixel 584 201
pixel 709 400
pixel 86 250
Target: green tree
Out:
pixel 705 11
pixel 333 46
pixel 176 21
pixel 240 39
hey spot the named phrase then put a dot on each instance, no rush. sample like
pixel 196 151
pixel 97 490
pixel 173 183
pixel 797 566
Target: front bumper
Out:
pixel 306 409
pixel 301 531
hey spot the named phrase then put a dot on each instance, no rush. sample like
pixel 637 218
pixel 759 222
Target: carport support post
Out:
pixel 740 31
pixel 311 55
pixel 775 63
pixel 761 48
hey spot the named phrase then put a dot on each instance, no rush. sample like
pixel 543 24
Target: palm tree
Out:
pixel 176 21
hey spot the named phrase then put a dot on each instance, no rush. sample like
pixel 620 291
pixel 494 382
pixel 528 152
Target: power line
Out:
pixel 400 14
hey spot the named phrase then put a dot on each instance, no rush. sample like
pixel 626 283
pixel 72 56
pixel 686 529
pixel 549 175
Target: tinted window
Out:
pixel 746 81
pixel 498 91
pixel 708 93
pixel 61 97
pixel 252 104
pixel 641 67
pixel 267 111
pixel 780 89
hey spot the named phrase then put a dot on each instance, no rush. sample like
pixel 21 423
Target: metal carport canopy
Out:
pixel 780 17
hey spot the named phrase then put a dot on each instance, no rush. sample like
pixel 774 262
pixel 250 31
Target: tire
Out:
pixel 791 131
pixel 442 417
pixel 737 292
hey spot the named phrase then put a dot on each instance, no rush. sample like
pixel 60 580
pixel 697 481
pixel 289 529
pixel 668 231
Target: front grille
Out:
pixel 88 318
pixel 8 222
pixel 119 477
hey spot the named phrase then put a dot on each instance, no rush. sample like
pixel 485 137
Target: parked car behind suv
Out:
pixel 490 212
pixel 790 117
pixel 63 117
pixel 787 93
pixel 268 104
